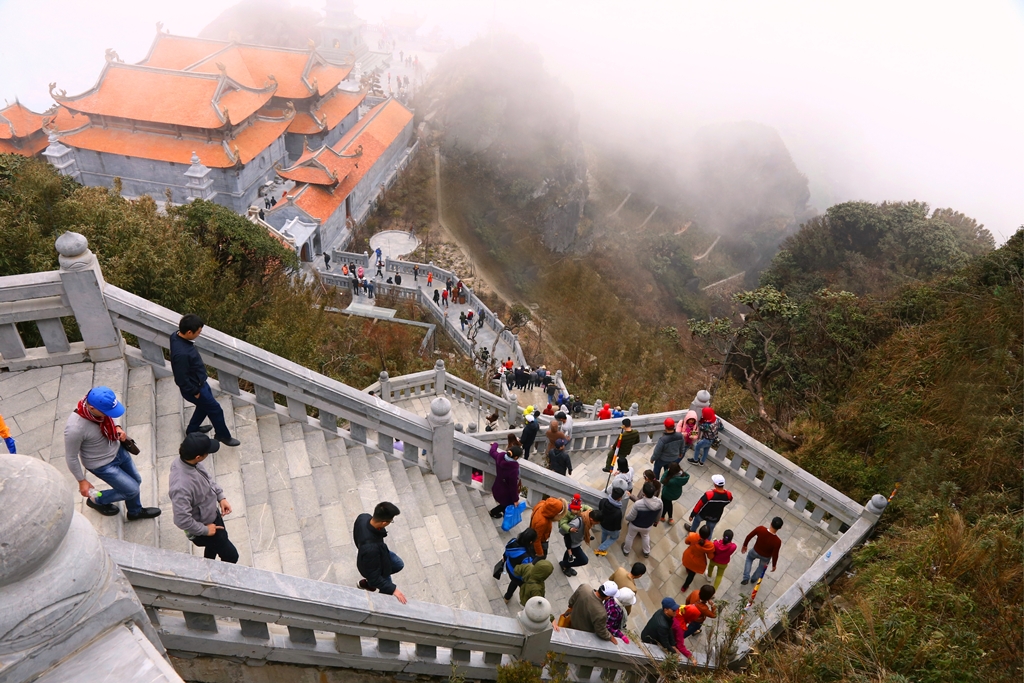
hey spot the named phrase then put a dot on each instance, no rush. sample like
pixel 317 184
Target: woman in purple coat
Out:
pixel 506 482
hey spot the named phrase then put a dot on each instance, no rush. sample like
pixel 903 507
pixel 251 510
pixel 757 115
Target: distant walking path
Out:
pixel 704 255
pixel 721 282
pixel 619 207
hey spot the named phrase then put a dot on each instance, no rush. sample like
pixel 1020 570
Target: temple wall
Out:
pixel 368 188
pixel 236 188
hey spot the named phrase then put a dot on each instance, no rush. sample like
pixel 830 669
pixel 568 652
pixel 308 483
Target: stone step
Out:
pixel 170 431
pixel 140 424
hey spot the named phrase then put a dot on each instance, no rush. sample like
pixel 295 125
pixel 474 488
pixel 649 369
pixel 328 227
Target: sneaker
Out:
pixel 601 553
pixel 144 513
pixel 671 521
pixel 701 463
pixel 569 571
pixel 366 586
pixel 647 554
pixel 744 582
pixel 105 509
pixel 686 525
pixel 625 551
pixel 606 469
pixel 205 429
pixel 663 519
pixel 230 442
pixel 695 462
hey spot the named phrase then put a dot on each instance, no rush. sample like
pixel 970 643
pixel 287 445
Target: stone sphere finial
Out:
pixel 383 376
pixel 439 365
pixel 536 614
pixel 71 244
pixel 877 504
pixel 38 506
pixel 440 406
pixel 471 428
pixel 703 396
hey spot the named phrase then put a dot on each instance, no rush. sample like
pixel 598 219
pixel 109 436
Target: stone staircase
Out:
pixel 295 495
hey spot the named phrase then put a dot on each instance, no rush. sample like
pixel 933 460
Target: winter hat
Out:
pixel 669 603
pixel 528 410
pixel 576 505
pixel 610 589
pixel 530 418
pixel 626 597
pixel 560 443
pixel 670 424
pixel 708 414
pixel 718 480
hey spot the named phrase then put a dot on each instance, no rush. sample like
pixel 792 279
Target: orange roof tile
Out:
pixel 18 121
pixel 294 70
pixel 29 147
pixel 338 106
pixel 315 175
pixel 163 96
pixel 305 124
pixel 350 159
pixel 252 140
pixel 178 52
pixel 62 120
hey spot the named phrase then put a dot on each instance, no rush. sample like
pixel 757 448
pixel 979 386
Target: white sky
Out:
pixel 915 99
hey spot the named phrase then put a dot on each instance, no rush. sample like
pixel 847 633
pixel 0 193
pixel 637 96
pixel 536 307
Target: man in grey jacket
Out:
pixel 198 500
pixel 93 442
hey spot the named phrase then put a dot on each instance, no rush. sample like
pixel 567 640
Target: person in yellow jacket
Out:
pixel 5 433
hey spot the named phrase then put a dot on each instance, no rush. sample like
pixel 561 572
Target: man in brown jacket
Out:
pixel 554 433
pixel 588 612
pixel 627 579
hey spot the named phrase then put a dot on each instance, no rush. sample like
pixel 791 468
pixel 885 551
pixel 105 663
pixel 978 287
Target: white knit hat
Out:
pixel 626 597
pixel 610 589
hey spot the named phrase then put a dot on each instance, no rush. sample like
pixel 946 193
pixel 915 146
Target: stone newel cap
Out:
pixel 38 506
pixel 440 406
pixel 71 244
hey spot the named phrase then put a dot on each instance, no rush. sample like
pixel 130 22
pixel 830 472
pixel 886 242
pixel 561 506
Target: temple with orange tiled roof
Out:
pixel 21 130
pixel 341 38
pixel 201 119
pixel 337 186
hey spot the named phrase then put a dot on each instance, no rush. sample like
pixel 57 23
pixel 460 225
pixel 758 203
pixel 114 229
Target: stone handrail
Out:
pixel 455 388
pixel 230 610
pixel 38 298
pixel 236 360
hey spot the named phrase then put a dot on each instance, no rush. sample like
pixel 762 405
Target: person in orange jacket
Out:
pixel 546 513
pixel 5 433
pixel 699 549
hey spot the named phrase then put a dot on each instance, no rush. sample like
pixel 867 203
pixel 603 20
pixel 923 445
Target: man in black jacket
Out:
pixel 529 434
pixel 559 460
pixel 190 376
pixel 375 562
pixel 658 630
pixel 611 520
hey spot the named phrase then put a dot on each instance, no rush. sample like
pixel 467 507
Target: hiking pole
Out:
pixel 615 448
pixel 897 488
pixel 757 587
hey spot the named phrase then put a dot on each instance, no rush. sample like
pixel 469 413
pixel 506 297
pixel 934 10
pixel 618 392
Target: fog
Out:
pixel 875 100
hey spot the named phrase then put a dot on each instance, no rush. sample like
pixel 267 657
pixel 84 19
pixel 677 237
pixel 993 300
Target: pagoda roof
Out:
pixel 18 121
pixel 143 93
pixel 329 174
pixel 298 73
pixel 246 145
pixel 62 120
pixel 328 114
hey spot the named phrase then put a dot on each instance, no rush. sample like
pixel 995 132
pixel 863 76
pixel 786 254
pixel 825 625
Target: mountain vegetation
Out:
pixel 202 258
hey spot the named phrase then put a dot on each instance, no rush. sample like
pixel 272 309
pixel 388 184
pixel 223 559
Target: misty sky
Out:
pixel 876 100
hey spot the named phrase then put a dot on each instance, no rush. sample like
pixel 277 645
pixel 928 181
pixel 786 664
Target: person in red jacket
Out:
pixel 605 413
pixel 711 506
pixel 766 547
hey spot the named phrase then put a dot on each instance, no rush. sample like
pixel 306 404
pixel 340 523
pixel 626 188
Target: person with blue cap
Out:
pixel 658 630
pixel 93 442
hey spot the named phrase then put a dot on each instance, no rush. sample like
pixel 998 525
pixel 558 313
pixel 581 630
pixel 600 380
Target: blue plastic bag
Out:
pixel 513 516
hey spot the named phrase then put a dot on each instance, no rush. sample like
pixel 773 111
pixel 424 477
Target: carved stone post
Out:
pixel 634 409
pixel 536 623
pixel 385 386
pixel 442 451
pixel 513 410
pixel 701 400
pixel 439 377
pixel 83 283
pixel 62 596
pixel 598 404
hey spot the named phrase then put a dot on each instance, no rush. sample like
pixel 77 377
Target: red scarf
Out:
pixel 106 423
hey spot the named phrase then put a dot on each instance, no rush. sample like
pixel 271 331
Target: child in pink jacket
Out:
pixel 688 428
pixel 724 548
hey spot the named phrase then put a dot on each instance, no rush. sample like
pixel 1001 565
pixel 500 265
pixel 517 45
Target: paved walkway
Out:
pixel 485 336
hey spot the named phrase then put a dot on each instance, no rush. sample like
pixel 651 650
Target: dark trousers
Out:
pixel 516 583
pixel 218 544
pixel 666 508
pixel 574 557
pixel 207 406
pixel 690 574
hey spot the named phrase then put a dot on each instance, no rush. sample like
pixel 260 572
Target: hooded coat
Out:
pixel 689 432
pixel 506 482
pixel 697 553
pixel 545 513
pixel 533 577
pixel 554 433
pixel 669 448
